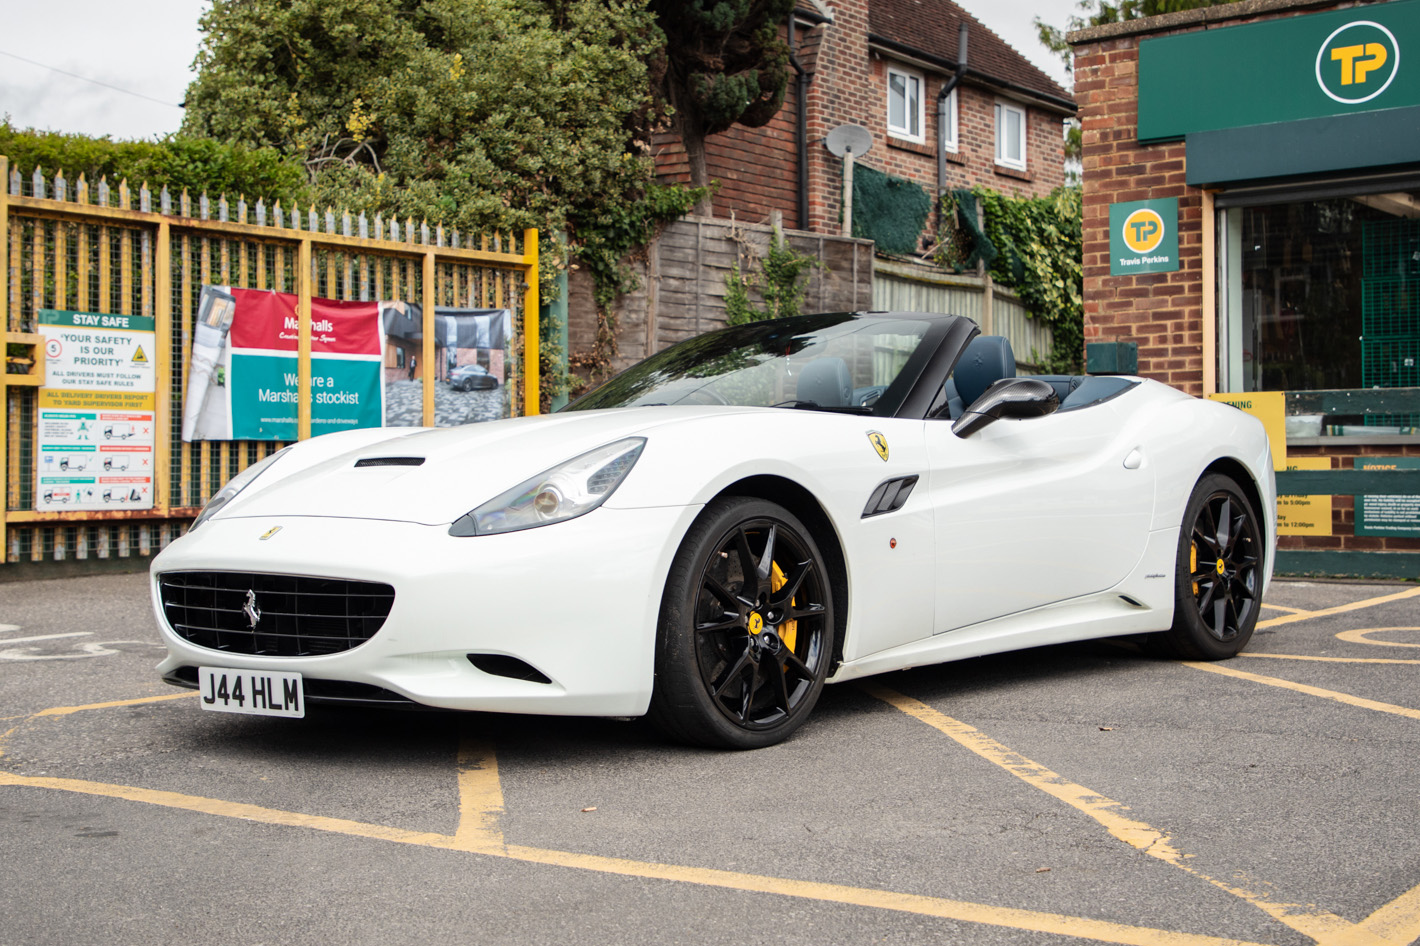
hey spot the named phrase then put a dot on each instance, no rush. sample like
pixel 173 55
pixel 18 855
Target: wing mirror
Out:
pixel 1013 398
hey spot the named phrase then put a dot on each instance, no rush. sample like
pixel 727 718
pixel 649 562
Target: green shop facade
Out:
pixel 1252 232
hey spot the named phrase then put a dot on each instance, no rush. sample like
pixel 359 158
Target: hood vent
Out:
pixel 389 461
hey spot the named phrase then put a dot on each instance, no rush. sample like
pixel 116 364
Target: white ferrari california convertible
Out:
pixel 714 534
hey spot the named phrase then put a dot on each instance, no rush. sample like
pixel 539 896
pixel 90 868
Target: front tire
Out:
pixel 746 629
pixel 1217 576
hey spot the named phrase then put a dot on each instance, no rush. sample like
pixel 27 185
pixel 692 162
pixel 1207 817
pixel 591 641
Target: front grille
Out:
pixel 273 615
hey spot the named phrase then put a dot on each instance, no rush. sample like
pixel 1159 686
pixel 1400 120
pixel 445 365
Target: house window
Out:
pixel 904 104
pixel 1010 136
pixel 949 129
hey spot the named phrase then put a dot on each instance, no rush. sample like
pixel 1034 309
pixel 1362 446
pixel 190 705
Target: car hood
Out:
pixel 461 468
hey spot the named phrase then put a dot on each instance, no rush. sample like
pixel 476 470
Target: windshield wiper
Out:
pixel 828 409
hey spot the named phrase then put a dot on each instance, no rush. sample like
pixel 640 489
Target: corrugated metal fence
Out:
pixel 69 246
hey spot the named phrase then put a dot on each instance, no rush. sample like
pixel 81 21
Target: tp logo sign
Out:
pixel 1143 230
pixel 1357 62
pixel 1143 237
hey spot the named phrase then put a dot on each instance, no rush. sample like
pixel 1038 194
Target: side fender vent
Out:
pixel 389 461
pixel 889 496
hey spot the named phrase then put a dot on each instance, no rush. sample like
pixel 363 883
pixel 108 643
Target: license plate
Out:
pixel 255 692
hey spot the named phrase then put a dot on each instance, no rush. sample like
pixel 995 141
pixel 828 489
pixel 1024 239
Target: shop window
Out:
pixel 1010 136
pixel 904 104
pixel 1322 294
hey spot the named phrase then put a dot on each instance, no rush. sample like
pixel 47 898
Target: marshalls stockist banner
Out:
pixel 242 380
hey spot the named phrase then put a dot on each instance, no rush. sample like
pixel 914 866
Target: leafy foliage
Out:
pixel 482 114
pixel 725 64
pixel 777 284
pixel 1040 254
pixel 180 162
pixel 485 115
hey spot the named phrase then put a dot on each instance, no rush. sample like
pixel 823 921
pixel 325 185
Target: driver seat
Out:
pixel 827 382
pixel 987 359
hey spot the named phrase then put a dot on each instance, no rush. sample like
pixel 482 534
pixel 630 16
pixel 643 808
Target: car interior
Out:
pixel 988 359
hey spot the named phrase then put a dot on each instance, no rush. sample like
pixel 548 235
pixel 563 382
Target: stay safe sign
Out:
pixel 1143 237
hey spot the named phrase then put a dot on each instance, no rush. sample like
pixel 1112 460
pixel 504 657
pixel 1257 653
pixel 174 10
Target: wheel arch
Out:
pixel 803 504
pixel 1239 474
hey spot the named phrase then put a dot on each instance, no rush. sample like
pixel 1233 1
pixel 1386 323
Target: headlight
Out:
pixel 564 492
pixel 234 486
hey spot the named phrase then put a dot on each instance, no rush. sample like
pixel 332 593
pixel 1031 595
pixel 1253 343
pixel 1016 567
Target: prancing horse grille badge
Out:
pixel 250 609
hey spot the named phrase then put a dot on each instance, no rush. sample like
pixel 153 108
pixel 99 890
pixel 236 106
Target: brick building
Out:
pixel 882 64
pixel 1276 144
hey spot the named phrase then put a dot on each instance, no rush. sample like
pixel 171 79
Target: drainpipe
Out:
pixel 943 116
pixel 802 133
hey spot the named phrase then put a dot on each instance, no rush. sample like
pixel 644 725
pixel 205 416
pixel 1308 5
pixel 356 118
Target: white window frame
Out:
pixel 1003 109
pixel 904 132
pixel 951 137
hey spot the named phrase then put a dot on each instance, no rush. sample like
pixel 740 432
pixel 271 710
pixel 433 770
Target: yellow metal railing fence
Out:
pixel 71 246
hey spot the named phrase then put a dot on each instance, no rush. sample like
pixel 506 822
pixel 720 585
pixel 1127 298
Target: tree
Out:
pixel 725 65
pixel 482 114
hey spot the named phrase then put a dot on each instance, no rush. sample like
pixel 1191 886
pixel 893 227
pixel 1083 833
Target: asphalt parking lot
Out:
pixel 1083 793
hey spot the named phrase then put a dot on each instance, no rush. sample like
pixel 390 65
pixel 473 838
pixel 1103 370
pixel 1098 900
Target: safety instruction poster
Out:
pixel 242 377
pixel 94 443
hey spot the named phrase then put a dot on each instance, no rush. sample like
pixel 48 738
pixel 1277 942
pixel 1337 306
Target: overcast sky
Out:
pixel 148 50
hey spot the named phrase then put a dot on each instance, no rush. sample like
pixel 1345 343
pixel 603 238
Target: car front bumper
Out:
pixel 578 601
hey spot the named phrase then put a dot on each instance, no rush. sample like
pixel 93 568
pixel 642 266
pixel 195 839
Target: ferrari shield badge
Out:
pixel 270 532
pixel 879 443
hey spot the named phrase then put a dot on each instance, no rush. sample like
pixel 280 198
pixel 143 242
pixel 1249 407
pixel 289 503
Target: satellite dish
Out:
pixel 849 139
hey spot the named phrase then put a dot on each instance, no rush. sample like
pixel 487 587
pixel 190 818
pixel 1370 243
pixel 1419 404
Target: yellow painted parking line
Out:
pixel 1397 921
pixel 1339 697
pixel 1307 919
pixel 480 799
pixel 66 710
pixel 1361 635
pixel 1335 660
pixel 1339 609
pixel 1278 607
pixel 937 907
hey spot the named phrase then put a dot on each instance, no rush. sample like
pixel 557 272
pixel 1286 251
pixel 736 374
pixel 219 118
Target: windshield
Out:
pixel 836 362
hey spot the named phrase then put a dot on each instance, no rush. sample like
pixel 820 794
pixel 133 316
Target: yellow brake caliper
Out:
pixel 789 630
pixel 1193 564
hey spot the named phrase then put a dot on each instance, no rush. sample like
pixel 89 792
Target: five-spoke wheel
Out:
pixel 746 631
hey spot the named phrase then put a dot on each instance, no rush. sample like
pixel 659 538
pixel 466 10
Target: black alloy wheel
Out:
pixel 1218 585
pixel 746 633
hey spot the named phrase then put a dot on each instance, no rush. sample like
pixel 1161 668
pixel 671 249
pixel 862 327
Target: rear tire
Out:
pixel 746 629
pixel 1217 575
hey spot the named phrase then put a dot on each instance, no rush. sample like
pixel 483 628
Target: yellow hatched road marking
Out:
pixel 937 907
pixel 1339 697
pixel 1308 919
pixel 1278 607
pixel 1361 635
pixel 66 710
pixel 1334 660
pixel 1339 609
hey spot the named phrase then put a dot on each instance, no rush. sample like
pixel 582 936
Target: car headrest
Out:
pixel 826 382
pixel 986 360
